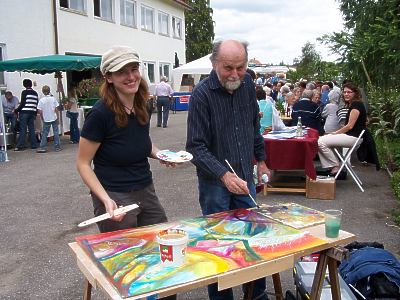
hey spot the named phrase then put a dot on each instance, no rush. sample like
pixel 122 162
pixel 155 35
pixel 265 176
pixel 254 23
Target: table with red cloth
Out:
pixel 293 153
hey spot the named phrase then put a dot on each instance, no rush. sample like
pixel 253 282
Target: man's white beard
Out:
pixel 232 85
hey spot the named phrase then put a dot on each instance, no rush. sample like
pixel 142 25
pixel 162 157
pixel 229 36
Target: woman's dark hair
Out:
pixel 110 98
pixel 251 73
pixel 303 84
pixel 357 95
pixel 260 94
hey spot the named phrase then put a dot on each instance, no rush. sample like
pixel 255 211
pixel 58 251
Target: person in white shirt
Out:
pixel 163 93
pixel 48 110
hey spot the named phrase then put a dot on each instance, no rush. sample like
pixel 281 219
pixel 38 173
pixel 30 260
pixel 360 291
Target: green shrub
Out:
pixel 385 122
pixel 395 183
pixel 389 155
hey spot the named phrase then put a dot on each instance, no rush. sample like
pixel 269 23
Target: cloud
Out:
pixel 276 31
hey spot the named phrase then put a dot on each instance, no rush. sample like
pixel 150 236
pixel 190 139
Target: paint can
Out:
pixel 172 244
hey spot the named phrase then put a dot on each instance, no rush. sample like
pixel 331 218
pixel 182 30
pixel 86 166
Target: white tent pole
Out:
pixel 4 131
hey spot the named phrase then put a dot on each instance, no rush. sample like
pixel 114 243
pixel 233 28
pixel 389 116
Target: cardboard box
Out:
pixel 322 188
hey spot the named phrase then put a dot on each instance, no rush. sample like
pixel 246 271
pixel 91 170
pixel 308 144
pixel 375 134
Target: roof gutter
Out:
pixel 183 3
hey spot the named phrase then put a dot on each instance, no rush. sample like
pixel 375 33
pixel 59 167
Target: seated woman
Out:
pixel 346 136
pixel 297 94
pixel 265 106
pixel 330 112
pixel 289 101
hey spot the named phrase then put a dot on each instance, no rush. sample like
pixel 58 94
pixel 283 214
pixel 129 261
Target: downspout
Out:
pixel 58 74
pixel 55 26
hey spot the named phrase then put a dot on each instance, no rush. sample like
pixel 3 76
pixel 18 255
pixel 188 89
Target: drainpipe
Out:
pixel 58 74
pixel 55 26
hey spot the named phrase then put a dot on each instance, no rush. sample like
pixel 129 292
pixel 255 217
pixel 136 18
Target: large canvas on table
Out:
pixel 293 214
pixel 217 243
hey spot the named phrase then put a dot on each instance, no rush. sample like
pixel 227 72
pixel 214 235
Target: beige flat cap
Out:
pixel 117 57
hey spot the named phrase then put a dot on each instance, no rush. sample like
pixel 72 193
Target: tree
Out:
pixel 308 64
pixel 199 30
pixel 370 43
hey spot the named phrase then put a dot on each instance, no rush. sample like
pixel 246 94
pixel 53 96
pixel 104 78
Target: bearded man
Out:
pixel 223 125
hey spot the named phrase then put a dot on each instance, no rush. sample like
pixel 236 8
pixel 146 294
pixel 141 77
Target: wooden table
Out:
pixel 292 154
pixel 329 255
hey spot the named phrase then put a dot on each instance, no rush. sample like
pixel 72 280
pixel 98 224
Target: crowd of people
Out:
pixel 20 118
pixel 338 114
pixel 316 102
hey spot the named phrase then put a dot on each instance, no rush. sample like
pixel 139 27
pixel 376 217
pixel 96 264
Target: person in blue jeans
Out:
pixel 73 115
pixel 224 125
pixel 27 110
pixel 10 103
pixel 48 110
pixel 163 93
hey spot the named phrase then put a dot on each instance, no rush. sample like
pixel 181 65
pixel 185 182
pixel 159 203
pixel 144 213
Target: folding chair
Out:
pixel 345 159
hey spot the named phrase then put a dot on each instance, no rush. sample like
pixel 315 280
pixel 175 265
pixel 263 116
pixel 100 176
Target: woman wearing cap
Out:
pixel 115 137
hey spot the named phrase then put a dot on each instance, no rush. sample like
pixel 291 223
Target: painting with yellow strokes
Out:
pixel 217 243
pixel 292 214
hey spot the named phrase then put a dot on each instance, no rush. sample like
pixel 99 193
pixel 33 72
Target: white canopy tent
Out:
pixel 270 69
pixel 196 68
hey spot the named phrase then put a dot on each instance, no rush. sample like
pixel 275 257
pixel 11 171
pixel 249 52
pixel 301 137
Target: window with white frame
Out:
pixel 163 23
pixel 77 5
pixel 150 68
pixel 164 69
pixel 177 27
pixel 103 9
pixel 128 13
pixel 147 18
pixel 2 46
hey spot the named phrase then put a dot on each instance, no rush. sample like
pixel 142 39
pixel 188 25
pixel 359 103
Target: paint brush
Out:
pixel 233 171
pixel 105 216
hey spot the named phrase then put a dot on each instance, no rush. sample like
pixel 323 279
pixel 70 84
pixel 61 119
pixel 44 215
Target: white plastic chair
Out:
pixel 345 159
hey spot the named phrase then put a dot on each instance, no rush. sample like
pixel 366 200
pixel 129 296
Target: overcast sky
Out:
pixel 277 30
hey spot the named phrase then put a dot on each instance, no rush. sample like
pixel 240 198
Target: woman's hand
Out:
pixel 168 163
pixel 110 206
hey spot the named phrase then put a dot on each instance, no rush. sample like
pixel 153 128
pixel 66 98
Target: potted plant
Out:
pixel 88 91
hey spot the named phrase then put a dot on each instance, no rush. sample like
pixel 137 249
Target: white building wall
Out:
pixel 27 30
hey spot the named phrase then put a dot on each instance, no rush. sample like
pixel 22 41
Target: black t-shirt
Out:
pixel 121 162
pixel 361 122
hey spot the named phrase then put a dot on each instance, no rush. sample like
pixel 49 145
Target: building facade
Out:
pixel 155 28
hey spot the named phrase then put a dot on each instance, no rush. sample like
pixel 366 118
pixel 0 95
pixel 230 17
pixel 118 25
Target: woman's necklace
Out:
pixel 131 110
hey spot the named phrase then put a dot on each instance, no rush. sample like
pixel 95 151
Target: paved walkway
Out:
pixel 43 199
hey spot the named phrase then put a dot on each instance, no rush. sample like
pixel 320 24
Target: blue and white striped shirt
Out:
pixel 224 126
pixel 29 102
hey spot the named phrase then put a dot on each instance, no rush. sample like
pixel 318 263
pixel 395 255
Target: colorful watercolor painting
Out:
pixel 292 214
pixel 176 157
pixel 218 243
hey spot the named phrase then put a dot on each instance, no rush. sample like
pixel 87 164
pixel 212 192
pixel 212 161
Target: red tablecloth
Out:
pixel 293 154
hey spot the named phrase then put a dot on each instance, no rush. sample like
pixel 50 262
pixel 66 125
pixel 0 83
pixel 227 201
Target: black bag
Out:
pixel 378 286
pixel 17 125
